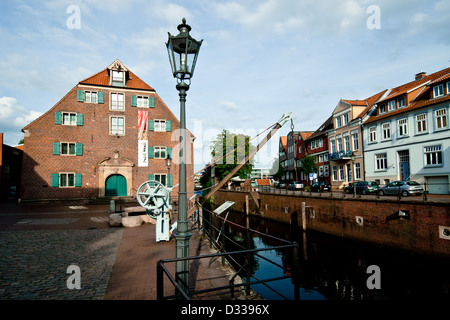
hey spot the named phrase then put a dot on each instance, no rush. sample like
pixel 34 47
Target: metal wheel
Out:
pixel 153 196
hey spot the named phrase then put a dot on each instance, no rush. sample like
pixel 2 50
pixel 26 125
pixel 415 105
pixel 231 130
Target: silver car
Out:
pixel 403 188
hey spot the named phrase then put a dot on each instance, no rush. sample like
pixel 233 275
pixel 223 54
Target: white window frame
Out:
pixel 438 91
pixel 401 102
pixel 341 172
pixel 68 149
pixel 160 151
pixel 441 119
pixel 142 101
pixel 334 173
pixel 355 141
pixel 89 96
pixel 345 119
pixel 372 134
pixel 347 143
pixel 357 168
pixel 421 123
pixel 160 126
pixel 433 156
pixel 326 170
pixel 402 127
pixel 381 162
pixel 115 104
pixel 66 174
pixel 338 122
pixel 386 129
pixel 391 105
pixel 116 131
pixel 382 108
pixel 70 122
pixel 161 178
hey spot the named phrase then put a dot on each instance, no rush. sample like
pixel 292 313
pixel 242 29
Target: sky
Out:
pixel 259 58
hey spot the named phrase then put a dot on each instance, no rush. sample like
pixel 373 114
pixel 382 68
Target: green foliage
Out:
pixel 308 164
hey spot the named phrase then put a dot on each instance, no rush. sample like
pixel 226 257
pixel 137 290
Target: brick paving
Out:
pixel 38 244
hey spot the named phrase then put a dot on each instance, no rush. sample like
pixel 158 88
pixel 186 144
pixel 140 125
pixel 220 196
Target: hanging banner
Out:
pixel 142 124
pixel 142 153
pixel 142 139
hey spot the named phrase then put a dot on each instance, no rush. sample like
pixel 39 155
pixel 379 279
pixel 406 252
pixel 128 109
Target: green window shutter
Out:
pixel 151 152
pixel 80 95
pixel 169 181
pixel 55 180
pixel 79 149
pixel 151 125
pixel 133 101
pixel 79 119
pixel 56 148
pixel 78 179
pixel 168 125
pixel 101 97
pixel 151 102
pixel 169 152
pixel 58 118
pixel 151 177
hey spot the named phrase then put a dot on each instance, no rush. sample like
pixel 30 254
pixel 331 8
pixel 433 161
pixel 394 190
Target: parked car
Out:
pixel 362 187
pixel 296 185
pixel 404 188
pixel 280 185
pixel 320 186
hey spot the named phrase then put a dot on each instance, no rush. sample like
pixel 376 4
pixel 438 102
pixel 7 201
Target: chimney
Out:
pixel 420 75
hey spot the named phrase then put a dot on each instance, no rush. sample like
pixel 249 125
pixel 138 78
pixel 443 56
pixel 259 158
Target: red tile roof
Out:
pixel 262 182
pixel 103 79
pixel 420 99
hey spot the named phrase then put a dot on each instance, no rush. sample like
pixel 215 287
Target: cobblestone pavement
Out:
pixel 36 250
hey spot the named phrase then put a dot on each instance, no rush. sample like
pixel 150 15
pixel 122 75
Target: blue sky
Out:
pixel 259 59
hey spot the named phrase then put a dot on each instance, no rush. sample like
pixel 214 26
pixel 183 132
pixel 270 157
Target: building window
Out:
pixel 355 141
pixel 335 173
pixel 325 157
pixel 326 172
pixel 421 123
pixel 69 119
pixel 321 171
pixel 386 131
pixel 160 125
pixel 433 155
pixel 448 87
pixel 142 102
pixel 347 143
pixel 357 171
pixel 400 102
pixel 381 161
pixel 67 148
pixel 117 125
pixel 66 180
pixel 338 122
pixel 160 152
pixel 382 108
pixel 320 158
pixel 339 145
pixel 402 127
pixel 90 97
pixel 345 118
pixel 391 105
pixel 349 172
pixel 372 134
pixel 117 78
pixel 333 146
pixel 341 172
pixel 117 102
pixel 441 118
pixel 438 91
pixel 162 178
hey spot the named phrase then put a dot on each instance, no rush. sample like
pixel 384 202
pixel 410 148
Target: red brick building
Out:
pixel 105 137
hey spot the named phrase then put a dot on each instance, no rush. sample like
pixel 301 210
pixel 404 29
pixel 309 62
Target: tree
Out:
pixel 277 170
pixel 308 164
pixel 229 150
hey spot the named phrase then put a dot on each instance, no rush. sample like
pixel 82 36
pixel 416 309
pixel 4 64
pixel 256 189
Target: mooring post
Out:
pixel 304 216
pixel 247 258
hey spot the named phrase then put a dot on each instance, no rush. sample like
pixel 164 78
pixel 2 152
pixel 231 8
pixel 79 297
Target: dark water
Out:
pixel 333 268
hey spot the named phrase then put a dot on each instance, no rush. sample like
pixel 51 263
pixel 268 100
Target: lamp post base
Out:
pixel 182 267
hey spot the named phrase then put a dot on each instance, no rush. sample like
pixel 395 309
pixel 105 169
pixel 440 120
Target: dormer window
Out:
pixel 391 105
pixel 401 102
pixel 382 108
pixel 117 78
pixel 438 91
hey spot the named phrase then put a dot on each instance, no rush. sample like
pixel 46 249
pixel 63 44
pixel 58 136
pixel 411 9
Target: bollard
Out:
pixel 112 206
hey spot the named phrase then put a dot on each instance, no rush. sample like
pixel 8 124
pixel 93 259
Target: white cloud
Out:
pixel 228 105
pixel 13 117
pixel 7 106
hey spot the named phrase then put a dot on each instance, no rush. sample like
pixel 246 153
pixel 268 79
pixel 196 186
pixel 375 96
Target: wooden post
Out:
pixel 304 216
pixel 247 258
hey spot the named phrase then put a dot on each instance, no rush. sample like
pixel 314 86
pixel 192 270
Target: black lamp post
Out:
pixel 183 52
pixel 168 164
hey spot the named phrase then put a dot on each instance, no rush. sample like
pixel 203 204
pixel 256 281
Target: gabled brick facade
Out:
pixel 75 148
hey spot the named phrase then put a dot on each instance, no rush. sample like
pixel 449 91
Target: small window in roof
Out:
pixel 117 78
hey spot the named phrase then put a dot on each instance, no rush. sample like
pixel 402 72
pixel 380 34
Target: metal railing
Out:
pixel 218 238
pixel 427 194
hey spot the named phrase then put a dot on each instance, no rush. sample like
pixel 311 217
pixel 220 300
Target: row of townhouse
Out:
pixel 397 134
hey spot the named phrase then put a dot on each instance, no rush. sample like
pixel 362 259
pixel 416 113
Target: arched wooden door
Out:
pixel 116 186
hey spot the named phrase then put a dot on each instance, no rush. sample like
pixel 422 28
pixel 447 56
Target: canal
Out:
pixel 334 268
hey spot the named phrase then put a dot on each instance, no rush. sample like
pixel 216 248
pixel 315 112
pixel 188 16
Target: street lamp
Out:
pixel 183 52
pixel 168 164
pixel 354 174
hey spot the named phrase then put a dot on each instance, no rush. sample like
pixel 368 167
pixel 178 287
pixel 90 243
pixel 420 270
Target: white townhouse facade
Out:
pixel 406 135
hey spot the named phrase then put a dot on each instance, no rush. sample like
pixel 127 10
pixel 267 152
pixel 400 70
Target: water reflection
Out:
pixel 333 268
